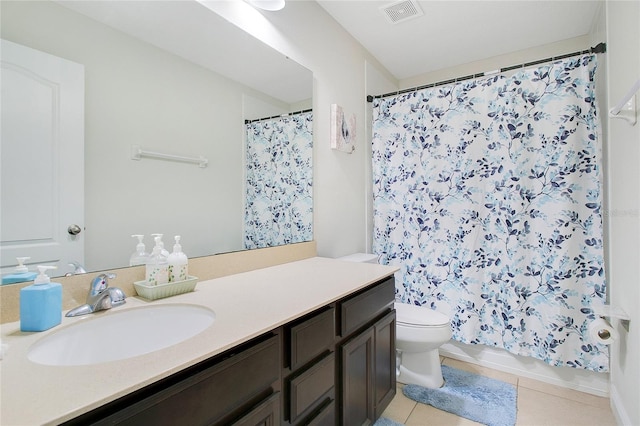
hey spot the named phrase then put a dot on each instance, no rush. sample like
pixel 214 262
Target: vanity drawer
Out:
pixel 214 395
pixel 267 413
pixel 366 305
pixel 311 337
pixel 307 389
pixel 326 416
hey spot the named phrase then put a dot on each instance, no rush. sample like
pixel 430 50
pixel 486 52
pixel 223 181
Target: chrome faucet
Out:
pixel 100 297
pixel 77 269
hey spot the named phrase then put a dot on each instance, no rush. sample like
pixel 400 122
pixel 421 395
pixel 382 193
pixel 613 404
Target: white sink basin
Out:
pixel 111 336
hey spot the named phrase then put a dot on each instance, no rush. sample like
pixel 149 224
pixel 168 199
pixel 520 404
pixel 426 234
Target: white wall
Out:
pixel 623 56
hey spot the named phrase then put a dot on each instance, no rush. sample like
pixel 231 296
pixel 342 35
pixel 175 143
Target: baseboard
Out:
pixel 619 412
pixel 499 359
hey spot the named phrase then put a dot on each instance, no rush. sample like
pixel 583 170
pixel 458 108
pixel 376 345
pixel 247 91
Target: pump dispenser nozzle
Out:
pixel 21 267
pixel 139 237
pixel 140 256
pixel 164 252
pixel 43 278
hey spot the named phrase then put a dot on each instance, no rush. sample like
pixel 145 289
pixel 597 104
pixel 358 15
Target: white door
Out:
pixel 41 159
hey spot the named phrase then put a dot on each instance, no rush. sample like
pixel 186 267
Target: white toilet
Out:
pixel 420 331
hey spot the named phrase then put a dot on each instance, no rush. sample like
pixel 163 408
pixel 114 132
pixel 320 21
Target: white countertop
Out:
pixel 246 305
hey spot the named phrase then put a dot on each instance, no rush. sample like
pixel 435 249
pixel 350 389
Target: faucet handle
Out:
pixel 100 284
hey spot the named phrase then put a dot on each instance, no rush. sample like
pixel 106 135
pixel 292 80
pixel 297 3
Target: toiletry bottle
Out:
pixel 140 256
pixel 41 303
pixel 164 252
pixel 178 263
pixel 157 269
pixel 21 273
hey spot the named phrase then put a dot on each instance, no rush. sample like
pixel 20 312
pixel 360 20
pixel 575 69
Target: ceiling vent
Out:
pixel 401 11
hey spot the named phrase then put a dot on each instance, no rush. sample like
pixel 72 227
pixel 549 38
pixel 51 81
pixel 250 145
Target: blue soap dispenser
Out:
pixel 41 303
pixel 21 273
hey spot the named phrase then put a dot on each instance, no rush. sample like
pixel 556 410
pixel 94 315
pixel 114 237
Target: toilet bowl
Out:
pixel 420 331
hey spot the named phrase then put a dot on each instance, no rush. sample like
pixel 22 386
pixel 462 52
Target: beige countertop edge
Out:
pixel 246 305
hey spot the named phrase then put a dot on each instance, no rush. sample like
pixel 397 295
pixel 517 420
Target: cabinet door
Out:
pixel 385 362
pixel 357 406
pixel 265 414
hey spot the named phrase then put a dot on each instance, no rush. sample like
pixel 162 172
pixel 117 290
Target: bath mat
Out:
pixel 478 398
pixel 383 421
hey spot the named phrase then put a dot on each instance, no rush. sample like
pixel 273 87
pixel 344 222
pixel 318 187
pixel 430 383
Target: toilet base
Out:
pixel 420 368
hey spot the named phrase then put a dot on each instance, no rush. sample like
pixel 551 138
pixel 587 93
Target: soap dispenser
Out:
pixel 157 269
pixel 164 252
pixel 21 273
pixel 140 256
pixel 41 303
pixel 178 263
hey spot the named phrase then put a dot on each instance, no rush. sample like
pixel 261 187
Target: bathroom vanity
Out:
pixel 308 342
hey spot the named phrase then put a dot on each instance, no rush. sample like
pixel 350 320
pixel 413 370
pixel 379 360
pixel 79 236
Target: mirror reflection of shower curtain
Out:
pixel 487 194
pixel 278 198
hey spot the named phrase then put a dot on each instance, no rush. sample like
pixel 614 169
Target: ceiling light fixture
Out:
pixel 270 5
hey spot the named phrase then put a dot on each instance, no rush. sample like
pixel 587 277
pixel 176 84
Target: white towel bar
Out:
pixel 137 153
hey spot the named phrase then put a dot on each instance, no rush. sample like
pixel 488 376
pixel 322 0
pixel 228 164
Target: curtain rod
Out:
pixel 289 114
pixel 599 48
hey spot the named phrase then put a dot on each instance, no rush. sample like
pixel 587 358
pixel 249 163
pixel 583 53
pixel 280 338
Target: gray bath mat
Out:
pixel 383 421
pixel 471 396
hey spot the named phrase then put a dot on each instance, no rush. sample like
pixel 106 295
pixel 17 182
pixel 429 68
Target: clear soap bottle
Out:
pixel 178 263
pixel 164 252
pixel 157 268
pixel 140 256
pixel 41 303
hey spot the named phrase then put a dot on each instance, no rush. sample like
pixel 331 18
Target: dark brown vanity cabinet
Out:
pixel 367 355
pixel 340 360
pixel 239 387
pixel 334 366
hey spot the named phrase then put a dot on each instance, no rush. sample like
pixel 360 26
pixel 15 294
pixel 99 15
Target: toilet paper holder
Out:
pixel 608 311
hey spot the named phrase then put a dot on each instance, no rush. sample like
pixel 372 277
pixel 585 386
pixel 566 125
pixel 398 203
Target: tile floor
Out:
pixel 539 404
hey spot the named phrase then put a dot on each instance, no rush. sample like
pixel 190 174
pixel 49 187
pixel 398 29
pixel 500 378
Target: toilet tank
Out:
pixel 361 258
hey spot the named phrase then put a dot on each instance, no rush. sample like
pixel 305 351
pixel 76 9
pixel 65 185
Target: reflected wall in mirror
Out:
pixel 172 77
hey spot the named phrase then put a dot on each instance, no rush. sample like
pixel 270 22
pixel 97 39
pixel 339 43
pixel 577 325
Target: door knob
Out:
pixel 74 229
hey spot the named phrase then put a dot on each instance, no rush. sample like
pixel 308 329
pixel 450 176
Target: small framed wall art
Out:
pixel 343 130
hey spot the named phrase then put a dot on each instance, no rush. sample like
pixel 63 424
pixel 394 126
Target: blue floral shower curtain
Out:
pixel 278 198
pixel 487 194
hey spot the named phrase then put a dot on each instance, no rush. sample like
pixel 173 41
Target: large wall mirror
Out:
pixel 169 77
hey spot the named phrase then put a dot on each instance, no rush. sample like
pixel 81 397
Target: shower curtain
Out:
pixel 487 194
pixel 278 197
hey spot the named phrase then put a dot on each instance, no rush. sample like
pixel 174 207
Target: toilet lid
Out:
pixel 419 315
